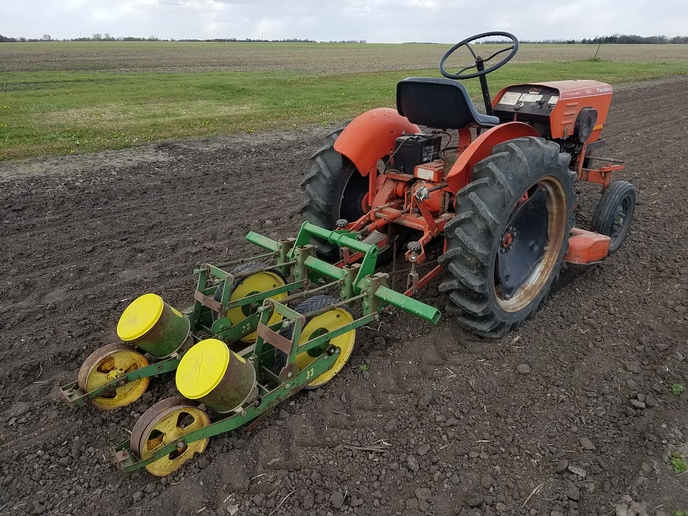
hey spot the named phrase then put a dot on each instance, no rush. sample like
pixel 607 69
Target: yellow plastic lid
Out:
pixel 140 317
pixel 201 368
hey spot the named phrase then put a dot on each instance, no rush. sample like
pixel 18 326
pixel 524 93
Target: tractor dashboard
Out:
pixel 526 102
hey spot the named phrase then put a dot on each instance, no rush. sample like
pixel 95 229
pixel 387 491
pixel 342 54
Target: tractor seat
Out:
pixel 439 103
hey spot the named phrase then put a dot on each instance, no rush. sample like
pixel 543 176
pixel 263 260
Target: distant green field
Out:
pixel 69 97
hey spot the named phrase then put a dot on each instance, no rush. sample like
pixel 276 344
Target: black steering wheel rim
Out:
pixel 465 42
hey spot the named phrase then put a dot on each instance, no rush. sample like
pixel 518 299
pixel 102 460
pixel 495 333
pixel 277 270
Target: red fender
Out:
pixel 371 135
pixel 480 148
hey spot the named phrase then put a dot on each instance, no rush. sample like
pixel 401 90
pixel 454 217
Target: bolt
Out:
pixel 180 445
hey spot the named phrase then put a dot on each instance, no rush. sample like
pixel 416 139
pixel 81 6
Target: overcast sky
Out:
pixel 441 21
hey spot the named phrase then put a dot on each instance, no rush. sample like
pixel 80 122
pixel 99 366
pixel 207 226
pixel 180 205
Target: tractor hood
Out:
pixel 552 107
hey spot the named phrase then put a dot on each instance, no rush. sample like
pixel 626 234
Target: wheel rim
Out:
pixel 255 284
pixel 530 244
pixel 619 226
pixel 319 325
pixel 165 423
pixel 354 201
pixel 110 363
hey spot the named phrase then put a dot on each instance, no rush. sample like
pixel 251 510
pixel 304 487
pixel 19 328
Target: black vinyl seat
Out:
pixel 439 103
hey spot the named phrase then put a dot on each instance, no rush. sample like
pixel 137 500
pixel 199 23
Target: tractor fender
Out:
pixel 371 136
pixel 460 173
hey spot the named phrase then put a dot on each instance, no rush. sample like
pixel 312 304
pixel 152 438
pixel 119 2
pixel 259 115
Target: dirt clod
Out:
pixel 587 443
pixel 523 368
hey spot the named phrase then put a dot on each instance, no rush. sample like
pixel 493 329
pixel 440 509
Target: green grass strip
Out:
pixel 58 112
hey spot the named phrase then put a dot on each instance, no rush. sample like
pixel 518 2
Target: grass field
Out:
pixel 74 97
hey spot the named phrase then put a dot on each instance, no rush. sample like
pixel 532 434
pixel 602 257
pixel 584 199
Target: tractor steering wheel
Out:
pixel 479 61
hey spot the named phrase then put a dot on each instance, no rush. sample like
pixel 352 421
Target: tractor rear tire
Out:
pixel 614 213
pixel 333 189
pixel 512 221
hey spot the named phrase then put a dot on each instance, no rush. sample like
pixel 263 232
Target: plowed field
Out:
pixel 439 422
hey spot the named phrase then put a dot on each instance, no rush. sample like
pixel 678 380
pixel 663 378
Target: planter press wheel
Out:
pixel 249 285
pixel 614 213
pixel 110 363
pixel 506 243
pixel 319 325
pixel 166 422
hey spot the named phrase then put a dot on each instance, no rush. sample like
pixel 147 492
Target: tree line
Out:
pixel 620 39
pixel 631 39
pixel 108 37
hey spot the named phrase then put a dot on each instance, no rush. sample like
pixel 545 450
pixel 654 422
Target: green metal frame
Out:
pixel 127 460
pixel 357 282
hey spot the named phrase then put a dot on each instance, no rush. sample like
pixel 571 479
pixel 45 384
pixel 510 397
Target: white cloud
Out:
pixel 375 20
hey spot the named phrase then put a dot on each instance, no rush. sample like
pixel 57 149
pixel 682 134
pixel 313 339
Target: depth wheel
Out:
pixel 247 286
pixel 614 213
pixel 107 364
pixel 333 189
pixel 166 422
pixel 506 243
pixel 320 324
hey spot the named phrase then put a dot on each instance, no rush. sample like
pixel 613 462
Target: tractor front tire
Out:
pixel 333 189
pixel 614 213
pixel 507 240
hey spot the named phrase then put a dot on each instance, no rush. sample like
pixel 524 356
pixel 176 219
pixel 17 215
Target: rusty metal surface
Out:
pixel 275 339
pixel 95 358
pixel 139 434
pixel 209 302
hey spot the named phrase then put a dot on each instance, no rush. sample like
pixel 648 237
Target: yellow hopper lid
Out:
pixel 202 368
pixel 140 317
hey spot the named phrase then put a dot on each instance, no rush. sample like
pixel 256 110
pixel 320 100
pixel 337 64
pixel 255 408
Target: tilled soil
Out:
pixel 571 414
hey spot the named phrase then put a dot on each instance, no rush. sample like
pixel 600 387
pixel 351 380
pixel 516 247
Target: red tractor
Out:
pixel 498 204
pixel 498 196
